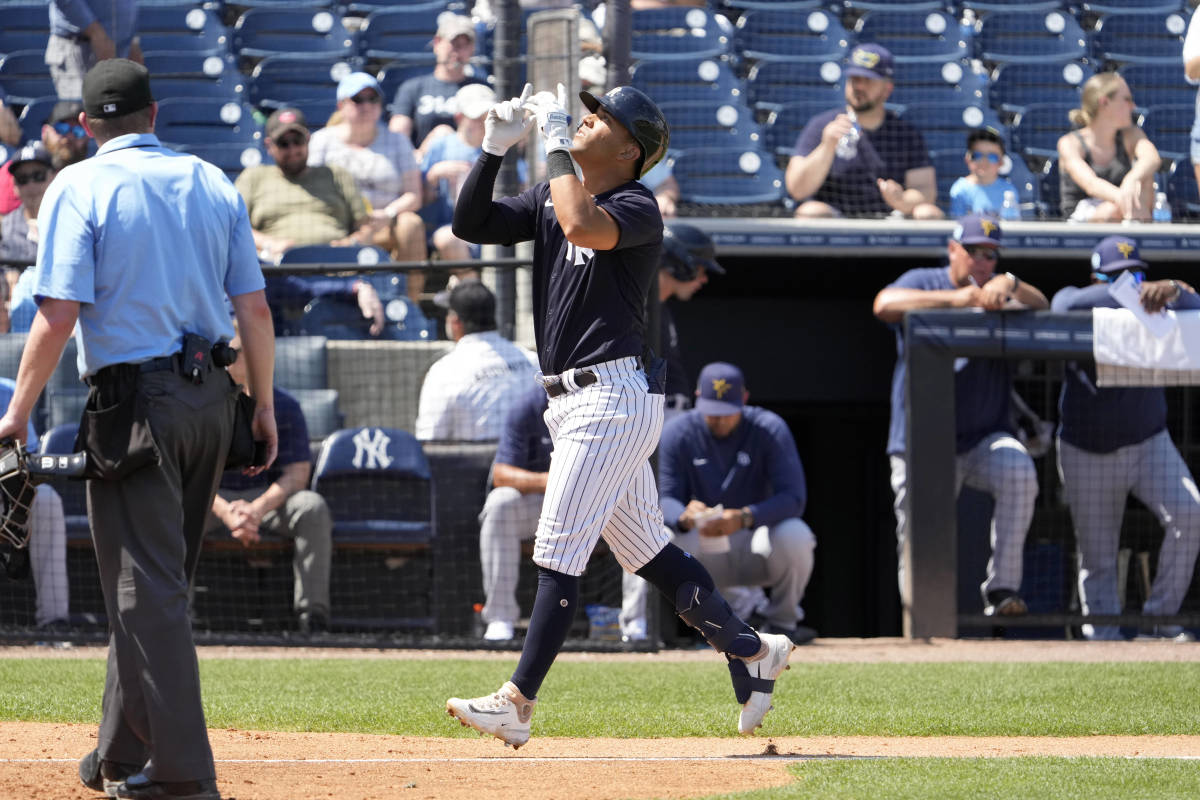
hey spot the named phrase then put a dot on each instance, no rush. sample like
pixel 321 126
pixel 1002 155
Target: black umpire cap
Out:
pixel 116 87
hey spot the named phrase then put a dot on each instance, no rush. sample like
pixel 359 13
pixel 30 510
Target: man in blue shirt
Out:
pixel 141 246
pixel 83 32
pixel 990 458
pixel 1113 442
pixel 733 490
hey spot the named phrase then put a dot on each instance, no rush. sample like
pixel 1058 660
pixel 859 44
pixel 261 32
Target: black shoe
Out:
pixel 101 775
pixel 310 622
pixel 1005 603
pixel 139 787
pixel 801 634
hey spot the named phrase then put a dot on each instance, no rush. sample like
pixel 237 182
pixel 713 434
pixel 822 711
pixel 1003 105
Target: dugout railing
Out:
pixel 943 525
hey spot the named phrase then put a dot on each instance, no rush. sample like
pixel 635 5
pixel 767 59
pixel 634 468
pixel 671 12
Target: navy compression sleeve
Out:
pixel 475 219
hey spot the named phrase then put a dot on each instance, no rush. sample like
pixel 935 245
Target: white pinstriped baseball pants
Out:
pixel 600 481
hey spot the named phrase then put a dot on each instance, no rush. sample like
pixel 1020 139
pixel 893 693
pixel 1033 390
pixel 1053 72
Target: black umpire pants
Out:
pixel 147 529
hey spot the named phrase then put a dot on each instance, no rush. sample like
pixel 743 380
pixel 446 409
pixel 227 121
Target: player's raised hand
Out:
pixel 506 123
pixel 553 121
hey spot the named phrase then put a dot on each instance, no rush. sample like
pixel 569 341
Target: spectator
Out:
pixel 31 170
pixel 863 161
pixel 468 391
pixel 83 32
pixel 733 493
pixel 1106 166
pixel 1191 72
pixel 424 106
pixel 990 458
pixel 661 181
pixel 382 163
pixel 65 139
pixel 982 191
pixel 10 129
pixel 278 503
pixel 1113 442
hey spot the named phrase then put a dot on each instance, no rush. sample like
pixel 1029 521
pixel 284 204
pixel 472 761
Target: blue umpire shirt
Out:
pixel 756 465
pixel 117 17
pixel 112 243
pixel 525 441
pixel 1103 420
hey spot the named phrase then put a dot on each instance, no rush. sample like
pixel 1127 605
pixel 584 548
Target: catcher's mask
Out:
pixel 16 493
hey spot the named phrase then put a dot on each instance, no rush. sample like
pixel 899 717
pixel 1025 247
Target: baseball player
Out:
pixel 597 237
pixel 688 258
pixel 1113 442
pixel 990 458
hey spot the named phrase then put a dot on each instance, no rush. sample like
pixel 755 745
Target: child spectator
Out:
pixel 981 191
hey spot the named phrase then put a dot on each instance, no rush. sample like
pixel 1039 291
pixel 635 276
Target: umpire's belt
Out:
pixel 575 379
pixel 160 364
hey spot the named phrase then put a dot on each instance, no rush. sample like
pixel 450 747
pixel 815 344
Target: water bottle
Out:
pixel 847 146
pixel 1162 207
pixel 1010 208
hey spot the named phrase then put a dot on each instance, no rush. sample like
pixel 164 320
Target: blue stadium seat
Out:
pixel 785 123
pixel 795 36
pixel 320 408
pixel 676 33
pixel 1013 37
pixel 378 485
pixel 940 82
pixel 1026 183
pixel 262 32
pixel 981 7
pixel 25 77
pixel 231 157
pixel 202 121
pixel 195 74
pixel 949 167
pixel 34 116
pixel 772 84
pixel 399 31
pixel 892 6
pixel 59 440
pixel 1182 192
pixel 175 29
pixel 279 81
pixel 11 347
pixel 1141 38
pixel 1109 7
pixel 1169 127
pixel 1038 128
pixel 944 126
pixel 1015 86
pixel 701 80
pixel 714 125
pixel 26 26
pixel 779 5
pixel 1157 84
pixel 396 72
pixel 728 177
pixel 301 362
pixel 1050 191
pixel 915 35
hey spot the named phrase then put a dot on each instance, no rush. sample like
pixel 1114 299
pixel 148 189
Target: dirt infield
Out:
pixel 40 759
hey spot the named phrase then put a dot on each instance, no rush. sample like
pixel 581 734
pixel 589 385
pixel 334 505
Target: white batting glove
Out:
pixel 553 121
pixel 507 123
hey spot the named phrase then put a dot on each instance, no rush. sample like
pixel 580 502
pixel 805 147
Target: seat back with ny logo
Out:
pixel 378 485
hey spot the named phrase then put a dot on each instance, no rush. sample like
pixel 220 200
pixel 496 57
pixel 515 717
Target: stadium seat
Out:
pixel 399 31
pixel 893 6
pixel 915 35
pixel 1038 128
pixel 817 35
pixel 26 26
pixel 202 121
pixel 195 74
pixel 301 362
pixel 1169 127
pixel 944 126
pixel 61 440
pixel 396 72
pixel 320 407
pixel 11 347
pixel 1182 192
pixel 785 123
pixel 779 5
pixel 1110 7
pixel 1049 190
pixel 1141 38
pixel 1016 86
pixel 676 33
pixel 231 157
pixel 772 84
pixel 176 29
pixel 262 32
pixel 718 125
pixel 952 82
pixel 981 7
pixel 1157 84
pixel 378 486
pixel 34 116
pixel 1026 183
pixel 728 177
pixel 702 80
pixel 25 77
pixel 1013 37
pixel 280 81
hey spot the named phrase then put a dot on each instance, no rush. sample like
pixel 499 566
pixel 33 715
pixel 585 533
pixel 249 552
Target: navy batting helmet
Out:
pixel 686 248
pixel 637 112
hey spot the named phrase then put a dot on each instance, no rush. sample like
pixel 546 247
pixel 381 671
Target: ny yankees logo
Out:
pixel 374 448
pixel 578 256
pixel 1126 248
pixel 720 387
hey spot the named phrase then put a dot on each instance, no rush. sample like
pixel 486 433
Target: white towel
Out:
pixel 1127 354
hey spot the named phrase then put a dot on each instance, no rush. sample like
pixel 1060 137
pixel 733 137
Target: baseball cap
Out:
pixel 474 302
pixel 116 87
pixel 871 61
pixel 65 111
pixel 1115 253
pixel 474 100
pixel 977 229
pixel 283 120
pixel 32 151
pixel 721 390
pixel 452 25
pixel 354 83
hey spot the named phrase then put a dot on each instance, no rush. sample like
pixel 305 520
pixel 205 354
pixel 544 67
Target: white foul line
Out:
pixel 515 759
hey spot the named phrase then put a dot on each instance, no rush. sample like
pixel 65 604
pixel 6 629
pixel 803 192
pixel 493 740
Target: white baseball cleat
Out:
pixel 498 631
pixel 767 668
pixel 505 714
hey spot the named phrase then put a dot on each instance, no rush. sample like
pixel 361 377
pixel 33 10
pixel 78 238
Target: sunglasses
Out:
pixel 980 251
pixel 1104 277
pixel 36 176
pixel 69 129
pixel 283 143
pixel 370 98
pixel 993 158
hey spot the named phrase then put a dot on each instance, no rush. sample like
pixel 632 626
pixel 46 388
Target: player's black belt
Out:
pixel 555 387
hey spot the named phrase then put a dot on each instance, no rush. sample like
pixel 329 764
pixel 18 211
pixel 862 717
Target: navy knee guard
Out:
pixel 707 612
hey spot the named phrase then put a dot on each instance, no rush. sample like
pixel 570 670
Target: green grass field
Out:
pixel 591 699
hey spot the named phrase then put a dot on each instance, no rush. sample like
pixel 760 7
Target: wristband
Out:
pixel 747 517
pixel 559 163
pixel 1015 280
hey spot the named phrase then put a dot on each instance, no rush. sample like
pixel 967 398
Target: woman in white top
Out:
pixel 383 164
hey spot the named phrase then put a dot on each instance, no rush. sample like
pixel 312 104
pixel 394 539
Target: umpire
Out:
pixel 141 245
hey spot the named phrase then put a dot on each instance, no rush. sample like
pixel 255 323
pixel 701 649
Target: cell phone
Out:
pixel 260 454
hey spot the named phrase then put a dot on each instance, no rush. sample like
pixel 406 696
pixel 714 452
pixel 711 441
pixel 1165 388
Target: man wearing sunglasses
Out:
pixel 1113 442
pixel 982 190
pixel 31 171
pixel 65 147
pixel 990 457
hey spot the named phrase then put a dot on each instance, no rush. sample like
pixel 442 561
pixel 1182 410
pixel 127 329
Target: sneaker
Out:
pixel 1004 603
pixel 498 631
pixel 139 787
pixel 101 775
pixel 505 714
pixel 767 667
pixel 1165 633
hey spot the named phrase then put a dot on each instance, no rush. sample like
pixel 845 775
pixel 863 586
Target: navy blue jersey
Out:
pixel 588 306
pixel 668 346
pixel 525 441
pixel 293 446
pixel 981 385
pixel 428 101
pixel 1102 420
pixel 757 466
